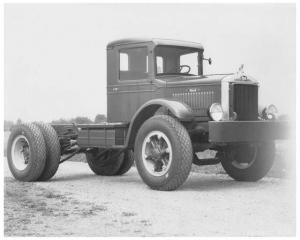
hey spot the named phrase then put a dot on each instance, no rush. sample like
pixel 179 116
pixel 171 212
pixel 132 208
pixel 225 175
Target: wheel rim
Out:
pixel 244 156
pixel 157 153
pixel 20 152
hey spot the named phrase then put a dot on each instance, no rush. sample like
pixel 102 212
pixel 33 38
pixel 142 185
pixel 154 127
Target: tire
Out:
pixel 248 162
pixel 26 152
pixel 106 165
pixel 168 169
pixel 52 150
pixel 127 162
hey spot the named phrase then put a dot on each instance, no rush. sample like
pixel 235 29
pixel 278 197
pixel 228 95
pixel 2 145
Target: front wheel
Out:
pixel 163 153
pixel 248 162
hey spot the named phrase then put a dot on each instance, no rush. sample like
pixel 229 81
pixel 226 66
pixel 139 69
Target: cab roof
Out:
pixel 155 41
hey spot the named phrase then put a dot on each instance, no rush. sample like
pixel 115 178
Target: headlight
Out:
pixel 270 112
pixel 216 112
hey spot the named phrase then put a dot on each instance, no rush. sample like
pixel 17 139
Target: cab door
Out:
pixel 133 84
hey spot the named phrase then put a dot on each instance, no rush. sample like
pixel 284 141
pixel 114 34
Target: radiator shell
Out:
pixel 244 101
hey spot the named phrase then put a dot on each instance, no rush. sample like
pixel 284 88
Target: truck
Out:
pixel 162 109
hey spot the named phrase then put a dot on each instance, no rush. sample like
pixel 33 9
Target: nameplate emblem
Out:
pixel 191 90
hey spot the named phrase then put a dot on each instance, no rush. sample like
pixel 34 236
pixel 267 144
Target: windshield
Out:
pixel 174 60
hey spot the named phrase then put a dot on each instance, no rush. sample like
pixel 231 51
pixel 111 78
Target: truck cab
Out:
pixel 139 70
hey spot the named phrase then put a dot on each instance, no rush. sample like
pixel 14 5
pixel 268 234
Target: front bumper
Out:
pixel 247 131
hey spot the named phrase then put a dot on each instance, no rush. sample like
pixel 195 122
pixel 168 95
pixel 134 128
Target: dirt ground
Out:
pixel 78 203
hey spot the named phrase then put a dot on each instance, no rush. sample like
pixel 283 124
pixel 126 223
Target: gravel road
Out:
pixel 78 203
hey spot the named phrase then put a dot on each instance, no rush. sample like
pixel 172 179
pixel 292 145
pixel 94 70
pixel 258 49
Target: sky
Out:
pixel 55 54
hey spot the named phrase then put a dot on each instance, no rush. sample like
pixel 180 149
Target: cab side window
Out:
pixel 133 63
pixel 159 64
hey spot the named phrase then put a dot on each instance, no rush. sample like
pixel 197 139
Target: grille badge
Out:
pixel 191 90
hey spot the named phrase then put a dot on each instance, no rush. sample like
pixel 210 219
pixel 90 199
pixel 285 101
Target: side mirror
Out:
pixel 207 59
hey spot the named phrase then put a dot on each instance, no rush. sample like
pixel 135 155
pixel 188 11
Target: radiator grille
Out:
pixel 245 101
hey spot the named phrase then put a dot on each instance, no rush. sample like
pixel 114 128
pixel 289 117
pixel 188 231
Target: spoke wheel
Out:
pixel 157 153
pixel 163 153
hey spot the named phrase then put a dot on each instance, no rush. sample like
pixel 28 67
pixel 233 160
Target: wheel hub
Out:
pixel 157 153
pixel 20 152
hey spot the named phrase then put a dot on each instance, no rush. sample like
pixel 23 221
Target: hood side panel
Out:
pixel 198 97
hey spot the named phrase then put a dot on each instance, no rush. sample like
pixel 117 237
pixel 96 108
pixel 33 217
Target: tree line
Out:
pixel 100 118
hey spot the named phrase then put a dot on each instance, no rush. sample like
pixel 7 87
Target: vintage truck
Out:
pixel 161 110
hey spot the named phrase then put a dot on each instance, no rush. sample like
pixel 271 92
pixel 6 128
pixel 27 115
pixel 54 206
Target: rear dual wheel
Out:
pixel 111 163
pixel 26 152
pixel 33 152
pixel 52 150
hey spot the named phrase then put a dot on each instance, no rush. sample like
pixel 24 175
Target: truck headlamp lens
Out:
pixel 216 112
pixel 270 112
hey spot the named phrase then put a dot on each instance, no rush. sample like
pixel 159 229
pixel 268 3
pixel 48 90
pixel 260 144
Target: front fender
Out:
pixel 178 109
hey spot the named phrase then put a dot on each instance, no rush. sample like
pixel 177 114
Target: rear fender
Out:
pixel 178 109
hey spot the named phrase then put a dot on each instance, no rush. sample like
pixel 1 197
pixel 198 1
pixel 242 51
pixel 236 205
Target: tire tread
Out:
pixel 37 151
pixel 52 150
pixel 182 167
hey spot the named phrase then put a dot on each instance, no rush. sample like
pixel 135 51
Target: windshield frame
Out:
pixel 200 61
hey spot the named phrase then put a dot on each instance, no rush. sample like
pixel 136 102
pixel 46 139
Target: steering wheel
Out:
pixel 187 66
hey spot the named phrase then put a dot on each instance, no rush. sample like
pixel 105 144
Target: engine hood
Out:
pixel 199 92
pixel 194 80
pixel 213 79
